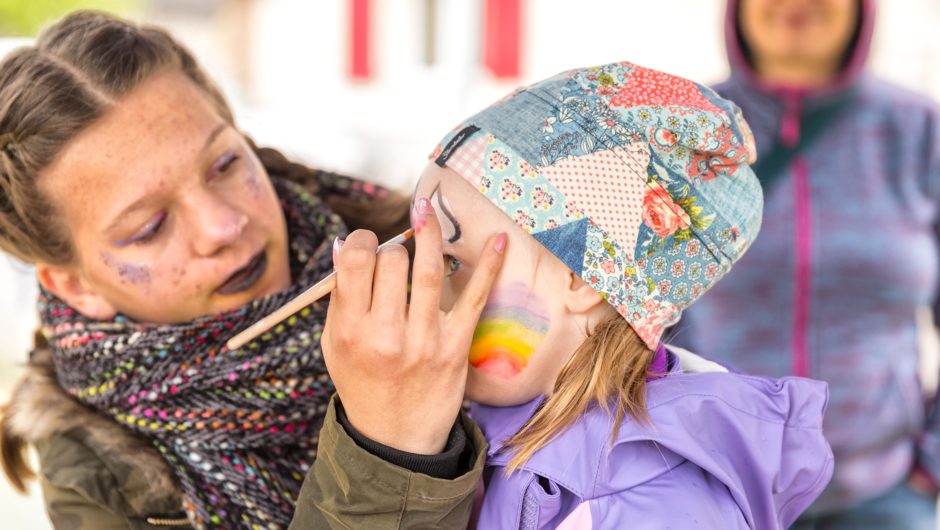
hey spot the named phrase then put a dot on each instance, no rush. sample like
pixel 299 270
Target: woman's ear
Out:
pixel 65 283
pixel 579 296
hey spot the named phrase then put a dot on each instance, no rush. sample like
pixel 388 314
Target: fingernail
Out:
pixel 500 244
pixel 423 206
pixel 419 214
pixel 337 246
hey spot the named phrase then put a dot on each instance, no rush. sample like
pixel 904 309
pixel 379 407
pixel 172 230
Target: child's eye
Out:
pixel 451 265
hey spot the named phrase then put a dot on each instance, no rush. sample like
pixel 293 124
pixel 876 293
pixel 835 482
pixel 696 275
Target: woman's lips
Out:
pixel 245 277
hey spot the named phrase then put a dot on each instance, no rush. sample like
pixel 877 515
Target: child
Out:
pixel 635 190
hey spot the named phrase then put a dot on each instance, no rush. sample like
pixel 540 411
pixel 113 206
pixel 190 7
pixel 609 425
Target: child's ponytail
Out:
pixel 610 368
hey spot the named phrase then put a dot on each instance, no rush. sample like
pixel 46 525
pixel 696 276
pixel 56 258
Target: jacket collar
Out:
pixel 499 424
pixel 683 410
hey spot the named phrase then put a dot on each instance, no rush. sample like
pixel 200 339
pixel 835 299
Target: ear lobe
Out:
pixel 69 286
pixel 580 297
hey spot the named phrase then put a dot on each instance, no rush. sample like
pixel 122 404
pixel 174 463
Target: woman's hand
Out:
pixel 400 370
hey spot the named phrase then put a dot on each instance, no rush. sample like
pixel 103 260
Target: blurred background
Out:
pixel 367 87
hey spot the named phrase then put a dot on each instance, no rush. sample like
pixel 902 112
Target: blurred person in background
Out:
pixel 848 254
pixel 159 230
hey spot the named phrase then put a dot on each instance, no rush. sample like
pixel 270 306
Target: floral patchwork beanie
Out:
pixel 636 179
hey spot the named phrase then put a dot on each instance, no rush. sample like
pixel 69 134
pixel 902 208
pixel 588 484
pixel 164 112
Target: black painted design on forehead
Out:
pixel 437 199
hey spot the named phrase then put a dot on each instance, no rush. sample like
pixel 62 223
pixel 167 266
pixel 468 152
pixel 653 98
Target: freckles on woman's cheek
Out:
pixel 127 272
pixel 512 326
pixel 178 273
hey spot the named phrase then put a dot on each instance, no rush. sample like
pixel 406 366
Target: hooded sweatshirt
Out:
pixel 721 451
pixel 847 255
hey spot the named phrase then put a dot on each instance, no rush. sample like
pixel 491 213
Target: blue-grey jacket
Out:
pixel 846 258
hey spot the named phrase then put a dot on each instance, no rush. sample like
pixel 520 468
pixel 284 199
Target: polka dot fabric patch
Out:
pixel 607 185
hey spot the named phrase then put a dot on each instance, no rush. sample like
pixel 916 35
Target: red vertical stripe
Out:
pixel 360 60
pixel 501 37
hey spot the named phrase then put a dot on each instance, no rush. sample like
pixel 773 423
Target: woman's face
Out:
pixel 811 35
pixel 525 334
pixel 170 213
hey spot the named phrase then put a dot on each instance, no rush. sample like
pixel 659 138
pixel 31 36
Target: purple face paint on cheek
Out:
pixel 128 272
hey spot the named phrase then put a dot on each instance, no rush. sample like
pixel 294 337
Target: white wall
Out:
pixel 17 289
pixel 17 309
pixel 387 126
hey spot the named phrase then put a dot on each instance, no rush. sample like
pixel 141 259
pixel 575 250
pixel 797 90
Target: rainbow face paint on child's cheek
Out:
pixel 511 328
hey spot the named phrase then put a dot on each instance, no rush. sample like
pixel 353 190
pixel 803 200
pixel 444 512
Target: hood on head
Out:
pixel 855 57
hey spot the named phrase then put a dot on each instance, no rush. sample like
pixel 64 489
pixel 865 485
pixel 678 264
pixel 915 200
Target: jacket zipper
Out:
pixel 790 129
pixel 802 266
pixel 161 521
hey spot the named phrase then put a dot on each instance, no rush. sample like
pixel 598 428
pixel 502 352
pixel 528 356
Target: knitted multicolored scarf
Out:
pixel 238 428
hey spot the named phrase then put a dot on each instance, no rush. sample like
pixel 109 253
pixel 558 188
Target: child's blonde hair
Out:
pixel 609 370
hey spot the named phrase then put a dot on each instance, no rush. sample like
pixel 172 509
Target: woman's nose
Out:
pixel 217 225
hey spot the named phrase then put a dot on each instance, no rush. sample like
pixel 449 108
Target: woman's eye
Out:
pixel 223 164
pixel 148 232
pixel 451 265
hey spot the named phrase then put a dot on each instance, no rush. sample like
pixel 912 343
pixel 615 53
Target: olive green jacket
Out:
pixel 97 475
pixel 350 488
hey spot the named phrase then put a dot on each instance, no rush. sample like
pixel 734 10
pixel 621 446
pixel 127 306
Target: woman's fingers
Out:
pixel 354 263
pixel 427 274
pixel 466 311
pixel 390 285
pixel 389 402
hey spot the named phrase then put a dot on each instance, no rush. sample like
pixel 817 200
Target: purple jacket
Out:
pixel 723 451
pixel 847 255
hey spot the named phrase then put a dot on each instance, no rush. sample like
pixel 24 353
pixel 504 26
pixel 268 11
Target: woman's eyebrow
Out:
pixel 442 202
pixel 212 135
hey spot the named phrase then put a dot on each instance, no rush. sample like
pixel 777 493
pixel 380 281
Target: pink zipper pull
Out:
pixel 790 123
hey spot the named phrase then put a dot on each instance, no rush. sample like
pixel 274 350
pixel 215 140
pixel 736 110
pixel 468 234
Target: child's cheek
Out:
pixel 511 328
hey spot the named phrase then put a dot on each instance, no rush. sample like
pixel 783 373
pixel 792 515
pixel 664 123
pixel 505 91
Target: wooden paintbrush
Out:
pixel 311 295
